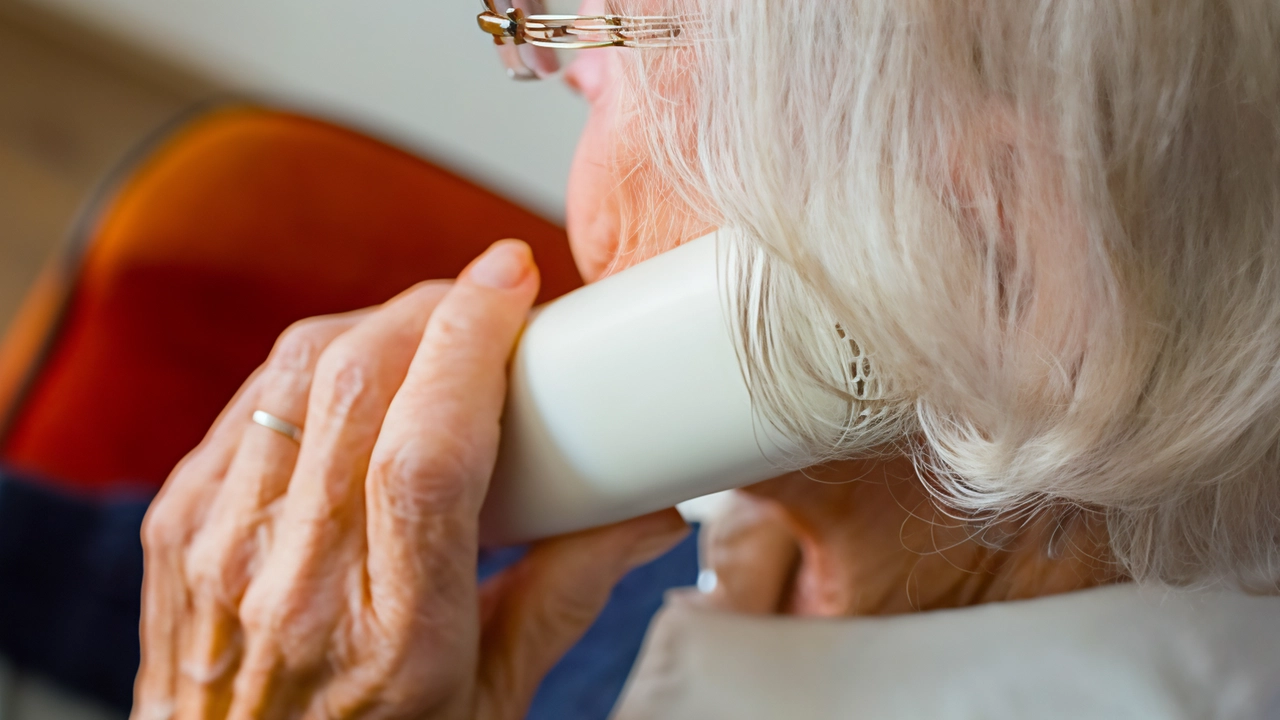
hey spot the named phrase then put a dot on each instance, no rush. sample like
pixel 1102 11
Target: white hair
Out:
pixel 1052 225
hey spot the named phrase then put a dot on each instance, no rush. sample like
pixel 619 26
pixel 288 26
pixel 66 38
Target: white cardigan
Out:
pixel 1115 652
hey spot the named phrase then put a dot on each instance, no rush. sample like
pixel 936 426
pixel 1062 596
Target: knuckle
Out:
pixel 299 346
pixel 345 374
pixel 199 566
pixel 163 528
pixel 158 532
pixel 212 565
pixel 257 610
pixel 295 617
pixel 459 328
pixel 424 477
pixel 275 600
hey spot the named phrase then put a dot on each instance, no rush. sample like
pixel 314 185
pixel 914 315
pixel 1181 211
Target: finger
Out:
pixel 432 464
pixel 172 520
pixel 262 686
pixel 752 551
pixel 436 447
pixel 298 594
pixel 549 599
pixel 222 556
pixel 264 459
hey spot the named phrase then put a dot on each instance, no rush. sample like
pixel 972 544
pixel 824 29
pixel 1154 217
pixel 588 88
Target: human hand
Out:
pixel 336 578
pixel 865 537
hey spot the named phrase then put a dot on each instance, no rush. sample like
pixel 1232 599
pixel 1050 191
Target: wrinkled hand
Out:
pixel 864 537
pixel 337 579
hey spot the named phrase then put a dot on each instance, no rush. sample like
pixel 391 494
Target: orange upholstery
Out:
pixel 242 222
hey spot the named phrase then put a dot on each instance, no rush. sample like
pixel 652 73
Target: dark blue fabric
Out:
pixel 587 681
pixel 71 579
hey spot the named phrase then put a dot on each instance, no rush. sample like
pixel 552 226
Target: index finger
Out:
pixel 431 466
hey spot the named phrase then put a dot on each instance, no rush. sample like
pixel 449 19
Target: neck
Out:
pixel 878 545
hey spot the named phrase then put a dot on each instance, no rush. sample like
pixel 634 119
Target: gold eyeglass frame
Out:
pixel 513 28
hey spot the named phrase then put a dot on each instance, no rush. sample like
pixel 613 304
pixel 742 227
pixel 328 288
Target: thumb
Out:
pixel 541 606
pixel 753 551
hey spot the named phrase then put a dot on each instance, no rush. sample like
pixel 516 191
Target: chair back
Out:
pixel 241 222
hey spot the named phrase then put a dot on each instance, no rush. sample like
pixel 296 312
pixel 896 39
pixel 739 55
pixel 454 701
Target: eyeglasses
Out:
pixel 528 38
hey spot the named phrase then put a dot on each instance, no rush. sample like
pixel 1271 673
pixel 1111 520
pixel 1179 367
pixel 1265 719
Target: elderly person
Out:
pixel 1052 229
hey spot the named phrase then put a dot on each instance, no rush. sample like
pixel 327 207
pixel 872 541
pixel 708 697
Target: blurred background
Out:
pixel 84 81
pixel 88 90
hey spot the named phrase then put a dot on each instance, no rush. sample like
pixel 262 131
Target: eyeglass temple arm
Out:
pixel 581 31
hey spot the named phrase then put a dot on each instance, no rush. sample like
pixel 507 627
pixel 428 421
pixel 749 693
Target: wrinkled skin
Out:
pixel 336 579
pixel 864 538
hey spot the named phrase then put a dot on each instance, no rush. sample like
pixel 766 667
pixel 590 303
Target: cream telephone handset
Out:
pixel 626 397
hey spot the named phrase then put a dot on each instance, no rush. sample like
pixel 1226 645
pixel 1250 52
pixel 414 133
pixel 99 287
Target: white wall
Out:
pixel 416 71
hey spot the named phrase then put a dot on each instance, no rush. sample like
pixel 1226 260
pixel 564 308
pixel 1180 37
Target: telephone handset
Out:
pixel 626 397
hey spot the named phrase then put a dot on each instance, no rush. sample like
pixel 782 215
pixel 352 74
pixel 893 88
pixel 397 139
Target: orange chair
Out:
pixel 238 223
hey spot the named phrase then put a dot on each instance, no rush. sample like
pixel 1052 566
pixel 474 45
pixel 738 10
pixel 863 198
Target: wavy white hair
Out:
pixel 1053 225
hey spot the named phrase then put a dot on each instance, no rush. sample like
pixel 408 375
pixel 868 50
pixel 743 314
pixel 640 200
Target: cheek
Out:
pixel 610 184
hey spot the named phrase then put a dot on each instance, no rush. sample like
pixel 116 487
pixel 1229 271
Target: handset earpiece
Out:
pixel 626 397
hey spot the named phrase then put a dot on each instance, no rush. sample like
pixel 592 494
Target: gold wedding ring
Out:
pixel 285 428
